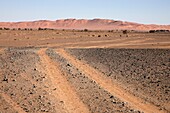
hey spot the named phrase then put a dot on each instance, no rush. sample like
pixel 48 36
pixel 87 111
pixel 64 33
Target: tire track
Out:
pixel 64 91
pixel 12 103
pixel 30 90
pixel 58 107
pixel 108 85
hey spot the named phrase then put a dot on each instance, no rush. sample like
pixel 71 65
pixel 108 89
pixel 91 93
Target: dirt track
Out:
pixel 57 79
pixel 64 90
pixel 110 86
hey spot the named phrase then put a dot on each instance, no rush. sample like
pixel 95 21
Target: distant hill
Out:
pixel 94 24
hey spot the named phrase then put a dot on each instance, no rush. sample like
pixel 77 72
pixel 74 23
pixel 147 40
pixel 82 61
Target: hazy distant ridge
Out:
pixel 94 24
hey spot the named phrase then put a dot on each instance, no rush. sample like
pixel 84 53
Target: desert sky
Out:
pixel 140 11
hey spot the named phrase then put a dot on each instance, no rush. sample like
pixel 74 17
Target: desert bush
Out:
pixel 152 31
pixel 161 31
pixel 111 31
pixel 6 28
pixel 124 31
pixel 40 28
pixel 1 28
pixel 85 30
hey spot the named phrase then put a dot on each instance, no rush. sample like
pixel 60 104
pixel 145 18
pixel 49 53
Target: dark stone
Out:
pixel 111 96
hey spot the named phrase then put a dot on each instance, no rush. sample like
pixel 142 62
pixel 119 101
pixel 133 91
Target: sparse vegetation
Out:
pixel 159 31
pixel 40 28
pixel 125 32
pixel 110 30
pixel 45 28
pixel 85 30
pixel 152 31
pixel 162 31
pixel 6 28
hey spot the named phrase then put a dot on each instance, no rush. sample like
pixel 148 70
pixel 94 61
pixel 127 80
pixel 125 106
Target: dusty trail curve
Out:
pixel 108 85
pixel 64 90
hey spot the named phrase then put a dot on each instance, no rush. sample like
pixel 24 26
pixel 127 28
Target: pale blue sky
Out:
pixel 141 11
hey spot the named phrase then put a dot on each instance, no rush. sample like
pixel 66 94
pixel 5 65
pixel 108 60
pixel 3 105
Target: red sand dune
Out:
pixel 95 24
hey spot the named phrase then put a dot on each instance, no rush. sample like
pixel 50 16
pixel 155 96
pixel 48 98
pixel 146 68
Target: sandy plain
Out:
pixel 76 71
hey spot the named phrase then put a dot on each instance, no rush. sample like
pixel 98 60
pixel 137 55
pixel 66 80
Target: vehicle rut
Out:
pixel 64 91
pixel 108 85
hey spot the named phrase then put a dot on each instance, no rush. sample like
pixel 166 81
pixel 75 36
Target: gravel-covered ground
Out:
pixel 35 77
pixel 22 84
pixel 38 80
pixel 96 98
pixel 143 72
